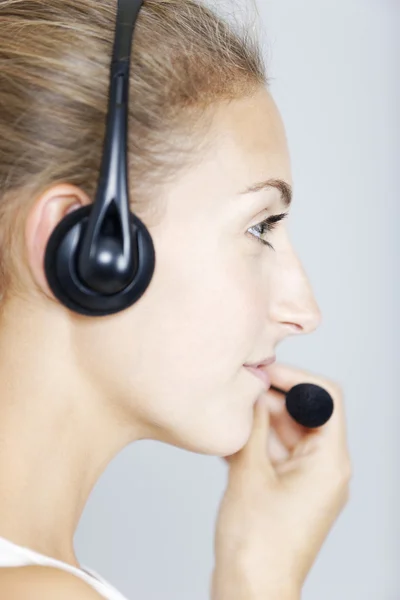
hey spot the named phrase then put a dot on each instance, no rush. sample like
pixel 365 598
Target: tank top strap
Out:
pixel 14 555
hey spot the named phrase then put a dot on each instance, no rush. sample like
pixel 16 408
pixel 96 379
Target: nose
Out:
pixel 293 306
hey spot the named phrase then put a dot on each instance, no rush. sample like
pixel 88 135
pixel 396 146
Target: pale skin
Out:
pixel 76 390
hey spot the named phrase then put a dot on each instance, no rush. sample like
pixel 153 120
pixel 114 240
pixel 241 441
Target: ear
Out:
pixel 47 211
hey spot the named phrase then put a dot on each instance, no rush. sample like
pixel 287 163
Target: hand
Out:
pixel 286 487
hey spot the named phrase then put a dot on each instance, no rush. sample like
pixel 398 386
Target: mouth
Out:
pixel 262 374
pixel 262 363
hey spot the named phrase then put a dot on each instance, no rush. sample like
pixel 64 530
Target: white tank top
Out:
pixel 12 555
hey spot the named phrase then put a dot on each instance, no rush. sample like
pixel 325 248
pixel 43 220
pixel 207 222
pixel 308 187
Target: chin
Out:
pixel 219 426
pixel 223 438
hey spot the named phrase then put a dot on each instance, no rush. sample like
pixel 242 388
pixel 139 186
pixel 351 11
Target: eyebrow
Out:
pixel 283 186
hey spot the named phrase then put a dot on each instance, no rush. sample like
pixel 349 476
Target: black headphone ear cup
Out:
pixel 61 270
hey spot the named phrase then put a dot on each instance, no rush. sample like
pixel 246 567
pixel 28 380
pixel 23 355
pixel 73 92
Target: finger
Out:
pixel 333 433
pixel 255 452
pixel 278 452
pixel 288 430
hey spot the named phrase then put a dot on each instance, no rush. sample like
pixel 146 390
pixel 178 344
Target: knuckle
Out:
pixel 345 495
pixel 337 389
pixel 333 387
pixel 349 470
pixel 342 492
pixel 341 474
pixel 345 474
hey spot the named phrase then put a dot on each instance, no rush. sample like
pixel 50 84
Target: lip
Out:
pixel 264 363
pixel 262 374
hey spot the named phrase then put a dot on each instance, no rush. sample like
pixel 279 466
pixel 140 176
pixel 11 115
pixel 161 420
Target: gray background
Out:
pixel 148 526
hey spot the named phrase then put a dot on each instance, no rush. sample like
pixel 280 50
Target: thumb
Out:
pixel 255 451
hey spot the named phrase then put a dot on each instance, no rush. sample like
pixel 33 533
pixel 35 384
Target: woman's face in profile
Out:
pixel 219 298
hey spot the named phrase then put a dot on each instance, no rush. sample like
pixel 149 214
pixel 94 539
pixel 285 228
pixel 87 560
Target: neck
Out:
pixel 57 436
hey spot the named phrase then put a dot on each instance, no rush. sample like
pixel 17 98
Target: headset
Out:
pixel 100 259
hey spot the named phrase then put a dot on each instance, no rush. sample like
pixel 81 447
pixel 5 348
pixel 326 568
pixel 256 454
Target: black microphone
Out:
pixel 308 404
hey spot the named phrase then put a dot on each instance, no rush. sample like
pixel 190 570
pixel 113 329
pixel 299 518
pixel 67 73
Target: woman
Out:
pixel 209 164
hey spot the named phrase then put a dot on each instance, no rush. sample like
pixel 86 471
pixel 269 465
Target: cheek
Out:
pixel 176 357
pixel 217 319
pixel 206 305
pixel 199 324
pixel 191 362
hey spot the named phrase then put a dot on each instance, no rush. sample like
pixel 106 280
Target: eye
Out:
pixel 267 225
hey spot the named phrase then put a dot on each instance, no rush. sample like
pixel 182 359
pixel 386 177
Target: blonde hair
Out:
pixel 54 77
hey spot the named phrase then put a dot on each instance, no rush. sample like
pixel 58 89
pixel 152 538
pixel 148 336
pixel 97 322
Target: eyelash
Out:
pixel 268 225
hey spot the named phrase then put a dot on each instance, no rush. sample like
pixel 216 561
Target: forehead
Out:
pixel 250 140
pixel 246 144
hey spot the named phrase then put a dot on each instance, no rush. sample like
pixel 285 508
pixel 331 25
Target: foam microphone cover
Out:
pixel 309 405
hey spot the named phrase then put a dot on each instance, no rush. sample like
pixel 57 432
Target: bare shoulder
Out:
pixel 35 582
